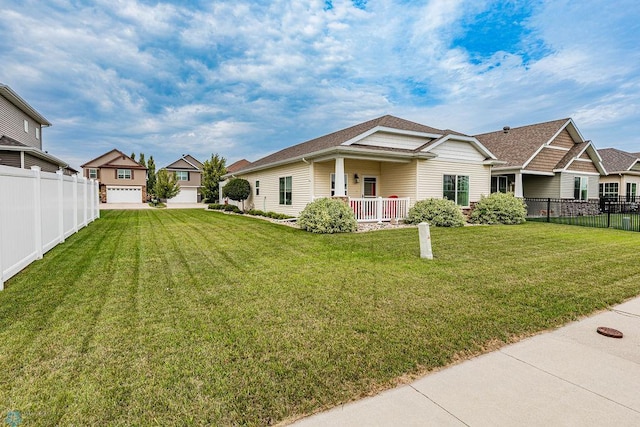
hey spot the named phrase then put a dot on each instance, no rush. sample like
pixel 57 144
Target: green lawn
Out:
pixel 178 317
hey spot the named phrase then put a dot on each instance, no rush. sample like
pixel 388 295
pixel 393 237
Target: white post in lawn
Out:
pixel 425 241
pixel 339 174
pixel 518 190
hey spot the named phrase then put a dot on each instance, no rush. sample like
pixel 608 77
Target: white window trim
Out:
pixel 364 178
pixel 179 175
pixel 456 191
pixel 26 125
pixel 37 132
pixel 93 171
pixel 124 174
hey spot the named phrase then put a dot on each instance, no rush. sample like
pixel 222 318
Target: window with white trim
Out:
pixel 580 188
pixel 93 173
pixel 182 175
pixel 631 191
pixel 26 125
pixel 124 174
pixel 456 188
pixel 286 190
pixel 333 184
pixel 37 132
pixel 257 187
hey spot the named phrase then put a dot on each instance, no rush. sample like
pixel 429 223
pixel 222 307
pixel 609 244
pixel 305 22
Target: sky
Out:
pixel 243 79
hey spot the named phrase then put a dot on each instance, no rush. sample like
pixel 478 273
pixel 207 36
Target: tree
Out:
pixel 212 171
pixel 151 176
pixel 237 189
pixel 141 161
pixel 133 156
pixel 166 185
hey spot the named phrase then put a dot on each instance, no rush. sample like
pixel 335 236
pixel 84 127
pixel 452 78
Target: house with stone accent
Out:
pixel 380 167
pixel 188 171
pixel 21 135
pixel 544 160
pixel 122 179
pixel 623 174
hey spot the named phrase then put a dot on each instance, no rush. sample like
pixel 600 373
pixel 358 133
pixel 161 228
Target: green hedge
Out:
pixel 327 216
pixel 499 208
pixel 436 212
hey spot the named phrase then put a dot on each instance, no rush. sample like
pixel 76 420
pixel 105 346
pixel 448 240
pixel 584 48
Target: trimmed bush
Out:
pixel 327 216
pixel 499 208
pixel 216 206
pixel 232 208
pixel 436 212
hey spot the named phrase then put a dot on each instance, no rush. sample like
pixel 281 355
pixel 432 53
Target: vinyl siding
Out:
pixel 195 179
pixel 45 166
pixel 399 179
pixel 629 179
pixel 567 183
pixel 582 166
pixel 10 158
pixel 12 124
pixel 108 177
pixel 389 140
pixel 536 186
pixel 430 175
pixel 563 140
pixel 270 188
pixel 458 151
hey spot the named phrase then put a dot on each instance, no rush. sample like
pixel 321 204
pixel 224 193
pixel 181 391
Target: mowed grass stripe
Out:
pixel 221 319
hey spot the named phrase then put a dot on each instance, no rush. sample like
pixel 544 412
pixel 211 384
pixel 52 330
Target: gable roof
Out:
pixel 186 162
pixel 110 163
pixel 16 100
pixel 616 161
pixel 517 146
pixel 348 140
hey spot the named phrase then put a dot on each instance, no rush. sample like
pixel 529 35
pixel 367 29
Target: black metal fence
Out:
pixel 621 213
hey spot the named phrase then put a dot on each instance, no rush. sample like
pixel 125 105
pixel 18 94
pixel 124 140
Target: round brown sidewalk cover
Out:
pixel 609 332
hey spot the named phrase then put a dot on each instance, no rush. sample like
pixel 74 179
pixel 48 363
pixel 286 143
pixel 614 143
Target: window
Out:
pixel 370 186
pixel 498 184
pixel 257 188
pixel 26 125
pixel 609 190
pixel 285 190
pixel 333 184
pixel 124 174
pixel 93 173
pixel 182 176
pixel 580 188
pixel 456 188
pixel 631 191
pixel 37 133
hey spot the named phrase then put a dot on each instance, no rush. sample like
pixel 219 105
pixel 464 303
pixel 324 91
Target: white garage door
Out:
pixel 124 195
pixel 186 195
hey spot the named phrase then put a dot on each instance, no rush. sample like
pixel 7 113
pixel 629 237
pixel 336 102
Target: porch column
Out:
pixel 339 173
pixel 518 189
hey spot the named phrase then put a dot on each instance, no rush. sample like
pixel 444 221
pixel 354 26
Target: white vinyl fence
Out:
pixel 38 210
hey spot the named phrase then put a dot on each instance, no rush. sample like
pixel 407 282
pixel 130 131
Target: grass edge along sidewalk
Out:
pixel 196 317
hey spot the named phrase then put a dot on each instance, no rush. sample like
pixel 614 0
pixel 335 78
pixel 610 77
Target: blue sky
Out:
pixel 247 78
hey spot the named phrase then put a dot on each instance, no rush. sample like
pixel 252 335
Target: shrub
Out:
pixel 232 208
pixel 436 212
pixel 216 206
pixel 499 208
pixel 327 216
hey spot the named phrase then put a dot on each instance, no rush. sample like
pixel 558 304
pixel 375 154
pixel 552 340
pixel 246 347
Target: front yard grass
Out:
pixel 189 317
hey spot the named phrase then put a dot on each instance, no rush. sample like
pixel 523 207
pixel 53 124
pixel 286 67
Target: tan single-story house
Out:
pixel 122 179
pixel 188 171
pixel 382 167
pixel 623 174
pixel 544 160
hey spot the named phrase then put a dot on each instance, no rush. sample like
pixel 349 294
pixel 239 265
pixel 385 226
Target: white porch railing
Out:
pixel 379 209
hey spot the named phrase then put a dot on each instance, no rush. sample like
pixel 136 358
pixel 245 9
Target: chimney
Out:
pixel 506 129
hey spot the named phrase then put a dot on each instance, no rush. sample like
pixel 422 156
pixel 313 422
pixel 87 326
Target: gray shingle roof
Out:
pixel 337 138
pixel 518 144
pixel 615 160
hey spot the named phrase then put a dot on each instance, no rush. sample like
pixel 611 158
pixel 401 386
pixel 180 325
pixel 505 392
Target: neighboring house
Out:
pixel 388 157
pixel 122 179
pixel 623 174
pixel 188 171
pixel 544 160
pixel 21 135
pixel 236 166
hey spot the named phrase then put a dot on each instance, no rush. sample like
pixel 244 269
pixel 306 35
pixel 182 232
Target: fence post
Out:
pixel 608 205
pixel 60 174
pixel 1 240
pixel 37 214
pixel 96 190
pixel 379 209
pixel 75 203
pixel 86 205
pixel 548 209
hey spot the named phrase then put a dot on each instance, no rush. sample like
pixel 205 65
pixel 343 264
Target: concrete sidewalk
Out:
pixel 571 376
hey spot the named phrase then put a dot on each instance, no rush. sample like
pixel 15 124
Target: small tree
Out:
pixel 142 161
pixel 151 176
pixel 212 171
pixel 237 189
pixel 133 156
pixel 166 185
